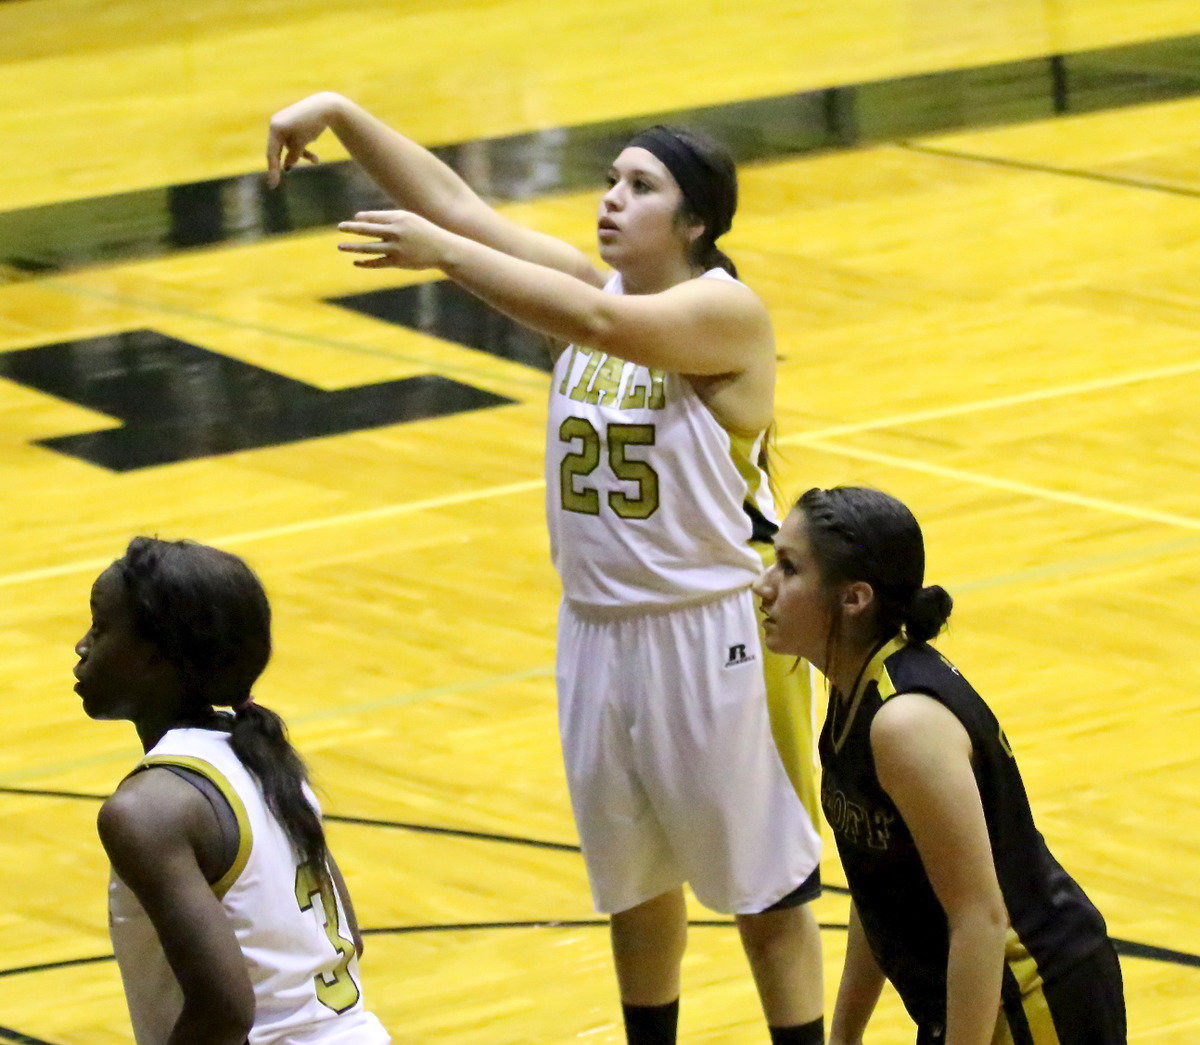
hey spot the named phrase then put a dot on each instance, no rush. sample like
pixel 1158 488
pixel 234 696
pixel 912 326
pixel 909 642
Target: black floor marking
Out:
pixel 1046 168
pixel 41 792
pixel 179 402
pixel 66 963
pixel 8 1034
pixel 555 923
pixel 361 821
pixel 443 309
pixel 454 832
pixel 1128 948
pixel 1133 949
pixel 156 222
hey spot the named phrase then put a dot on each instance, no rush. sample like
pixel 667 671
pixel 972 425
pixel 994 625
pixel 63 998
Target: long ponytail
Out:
pixel 259 739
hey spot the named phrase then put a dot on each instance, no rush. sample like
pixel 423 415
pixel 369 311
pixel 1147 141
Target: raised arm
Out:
pixel 923 760
pixel 412 176
pixel 700 327
pixel 149 829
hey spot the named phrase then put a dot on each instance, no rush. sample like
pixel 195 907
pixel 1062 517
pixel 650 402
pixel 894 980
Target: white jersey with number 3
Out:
pixel 291 928
pixel 646 493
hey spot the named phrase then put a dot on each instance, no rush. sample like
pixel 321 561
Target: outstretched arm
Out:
pixel 412 176
pixel 923 760
pixel 701 326
pixel 149 829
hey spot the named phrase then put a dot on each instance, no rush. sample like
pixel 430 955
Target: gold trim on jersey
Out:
pixel 211 773
pixel 742 451
pixel 873 671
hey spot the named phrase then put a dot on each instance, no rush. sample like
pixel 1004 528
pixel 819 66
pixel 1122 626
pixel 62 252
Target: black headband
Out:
pixel 700 183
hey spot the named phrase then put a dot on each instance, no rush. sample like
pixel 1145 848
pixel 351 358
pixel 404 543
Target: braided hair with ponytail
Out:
pixel 207 613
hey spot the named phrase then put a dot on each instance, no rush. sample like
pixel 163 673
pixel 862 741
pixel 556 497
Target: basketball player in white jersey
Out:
pixel 661 394
pixel 230 921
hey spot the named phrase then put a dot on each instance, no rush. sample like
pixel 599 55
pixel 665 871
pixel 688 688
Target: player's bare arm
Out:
pixel 859 989
pixel 412 176
pixel 923 759
pixel 703 327
pixel 152 828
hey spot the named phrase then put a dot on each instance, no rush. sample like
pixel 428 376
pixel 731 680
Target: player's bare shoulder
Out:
pixel 733 308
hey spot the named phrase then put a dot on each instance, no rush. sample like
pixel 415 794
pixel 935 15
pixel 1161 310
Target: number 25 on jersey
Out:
pixel 582 461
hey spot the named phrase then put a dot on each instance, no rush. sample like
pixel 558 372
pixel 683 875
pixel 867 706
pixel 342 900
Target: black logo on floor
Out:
pixel 176 401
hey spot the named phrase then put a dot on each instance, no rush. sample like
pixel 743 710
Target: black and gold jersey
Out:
pixel 1053 923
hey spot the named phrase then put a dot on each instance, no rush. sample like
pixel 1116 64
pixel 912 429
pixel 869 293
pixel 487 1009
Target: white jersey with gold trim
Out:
pixel 292 928
pixel 646 492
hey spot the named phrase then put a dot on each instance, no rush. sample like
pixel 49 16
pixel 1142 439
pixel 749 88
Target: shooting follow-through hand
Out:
pixel 403 240
pixel 293 129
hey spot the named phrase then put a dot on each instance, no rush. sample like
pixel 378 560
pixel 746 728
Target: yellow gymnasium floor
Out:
pixel 977 225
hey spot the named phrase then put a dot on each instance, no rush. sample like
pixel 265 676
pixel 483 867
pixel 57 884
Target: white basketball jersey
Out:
pixel 646 493
pixel 292 928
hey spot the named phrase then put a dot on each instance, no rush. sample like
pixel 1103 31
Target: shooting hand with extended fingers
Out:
pixel 403 240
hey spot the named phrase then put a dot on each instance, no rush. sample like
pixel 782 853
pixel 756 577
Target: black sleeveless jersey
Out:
pixel 1053 923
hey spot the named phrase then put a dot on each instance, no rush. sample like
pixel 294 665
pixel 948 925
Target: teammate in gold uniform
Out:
pixel 956 898
pixel 230 920
pixel 662 390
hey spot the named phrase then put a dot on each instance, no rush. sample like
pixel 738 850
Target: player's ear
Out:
pixel 857 598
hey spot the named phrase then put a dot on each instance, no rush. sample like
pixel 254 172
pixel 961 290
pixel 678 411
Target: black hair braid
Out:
pixel 259 739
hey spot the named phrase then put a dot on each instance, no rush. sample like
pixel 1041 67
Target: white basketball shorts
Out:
pixel 673 772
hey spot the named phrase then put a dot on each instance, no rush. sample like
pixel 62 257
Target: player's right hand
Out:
pixel 292 129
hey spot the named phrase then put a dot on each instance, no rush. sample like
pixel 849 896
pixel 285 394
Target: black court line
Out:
pixel 1047 168
pixel 1126 948
pixel 362 821
pixel 453 832
pixel 555 923
pixel 8 1034
pixel 66 963
pixel 241 209
pixel 1133 949
pixel 1129 948
pixel 38 792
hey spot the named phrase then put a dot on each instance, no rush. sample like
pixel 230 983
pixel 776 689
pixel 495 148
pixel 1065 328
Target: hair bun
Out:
pixel 928 611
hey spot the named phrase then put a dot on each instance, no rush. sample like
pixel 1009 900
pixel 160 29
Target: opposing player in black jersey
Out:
pixel 956 898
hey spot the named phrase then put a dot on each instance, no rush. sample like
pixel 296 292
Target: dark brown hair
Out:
pixel 860 534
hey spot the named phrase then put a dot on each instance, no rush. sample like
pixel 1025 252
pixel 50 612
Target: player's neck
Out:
pixel 646 279
pixel 847 668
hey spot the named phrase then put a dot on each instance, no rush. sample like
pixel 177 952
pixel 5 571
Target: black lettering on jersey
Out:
pixel 177 401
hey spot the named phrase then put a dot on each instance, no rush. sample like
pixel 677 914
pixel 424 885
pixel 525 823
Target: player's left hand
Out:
pixel 402 240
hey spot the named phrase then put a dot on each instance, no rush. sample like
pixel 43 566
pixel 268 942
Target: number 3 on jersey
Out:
pixel 582 462
pixel 336 989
